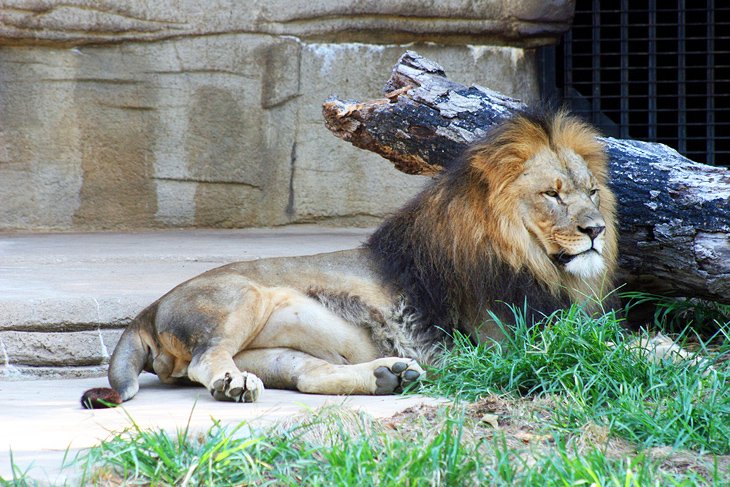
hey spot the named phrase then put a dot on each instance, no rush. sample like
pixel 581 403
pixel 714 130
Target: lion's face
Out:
pixel 560 205
pixel 550 208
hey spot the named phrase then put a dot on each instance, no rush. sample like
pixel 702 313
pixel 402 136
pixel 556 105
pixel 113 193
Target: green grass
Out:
pixel 330 450
pixel 319 451
pixel 679 314
pixel 588 364
pixel 21 478
pixel 563 467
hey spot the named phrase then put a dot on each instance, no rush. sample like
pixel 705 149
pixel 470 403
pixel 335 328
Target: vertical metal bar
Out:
pixel 596 64
pixel 568 71
pixel 652 73
pixel 681 79
pixel 624 125
pixel 710 95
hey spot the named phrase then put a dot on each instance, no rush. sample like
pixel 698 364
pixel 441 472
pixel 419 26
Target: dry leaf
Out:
pixel 491 419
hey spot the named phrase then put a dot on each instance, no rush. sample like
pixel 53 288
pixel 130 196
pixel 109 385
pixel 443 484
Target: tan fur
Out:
pixel 334 323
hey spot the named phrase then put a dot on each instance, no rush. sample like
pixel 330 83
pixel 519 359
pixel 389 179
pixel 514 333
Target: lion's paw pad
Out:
pixel 397 376
pixel 241 387
pixel 411 375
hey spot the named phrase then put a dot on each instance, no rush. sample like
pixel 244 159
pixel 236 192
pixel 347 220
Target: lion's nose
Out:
pixel 592 232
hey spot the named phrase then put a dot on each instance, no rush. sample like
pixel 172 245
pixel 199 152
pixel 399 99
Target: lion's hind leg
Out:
pixel 215 369
pixel 283 368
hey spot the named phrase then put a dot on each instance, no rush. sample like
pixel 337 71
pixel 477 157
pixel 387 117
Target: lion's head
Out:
pixel 548 190
pixel 527 215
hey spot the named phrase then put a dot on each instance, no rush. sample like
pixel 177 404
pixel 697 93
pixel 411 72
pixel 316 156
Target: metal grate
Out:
pixel 649 70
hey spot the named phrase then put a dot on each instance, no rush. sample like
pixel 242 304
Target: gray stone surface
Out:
pixel 150 114
pixel 64 298
pixel 58 349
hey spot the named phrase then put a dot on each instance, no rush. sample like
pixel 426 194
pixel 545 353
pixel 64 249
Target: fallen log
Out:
pixel 674 213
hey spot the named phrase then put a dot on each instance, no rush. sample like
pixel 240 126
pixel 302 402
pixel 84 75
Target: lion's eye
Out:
pixel 594 192
pixel 551 194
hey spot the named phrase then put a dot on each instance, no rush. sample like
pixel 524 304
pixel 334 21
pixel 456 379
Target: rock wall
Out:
pixel 180 113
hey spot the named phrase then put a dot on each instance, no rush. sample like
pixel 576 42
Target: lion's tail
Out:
pixel 126 364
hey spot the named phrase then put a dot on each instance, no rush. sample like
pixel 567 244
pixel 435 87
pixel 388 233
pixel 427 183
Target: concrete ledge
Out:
pixel 64 298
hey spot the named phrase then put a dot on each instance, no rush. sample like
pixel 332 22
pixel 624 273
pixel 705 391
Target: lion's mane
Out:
pixel 459 249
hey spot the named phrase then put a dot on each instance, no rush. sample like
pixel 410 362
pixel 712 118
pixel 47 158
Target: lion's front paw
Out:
pixel 237 387
pixel 396 376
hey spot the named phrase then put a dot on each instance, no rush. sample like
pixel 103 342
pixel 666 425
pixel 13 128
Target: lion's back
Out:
pixel 349 271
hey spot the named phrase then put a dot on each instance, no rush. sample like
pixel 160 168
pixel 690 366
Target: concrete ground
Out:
pixel 75 278
pixel 41 419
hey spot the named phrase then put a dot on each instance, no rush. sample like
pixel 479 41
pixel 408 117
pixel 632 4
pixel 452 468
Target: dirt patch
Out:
pixel 524 426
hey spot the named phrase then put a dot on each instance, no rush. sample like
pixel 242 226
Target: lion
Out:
pixel 526 216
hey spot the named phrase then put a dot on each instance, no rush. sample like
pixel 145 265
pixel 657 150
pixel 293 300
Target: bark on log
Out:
pixel 674 213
